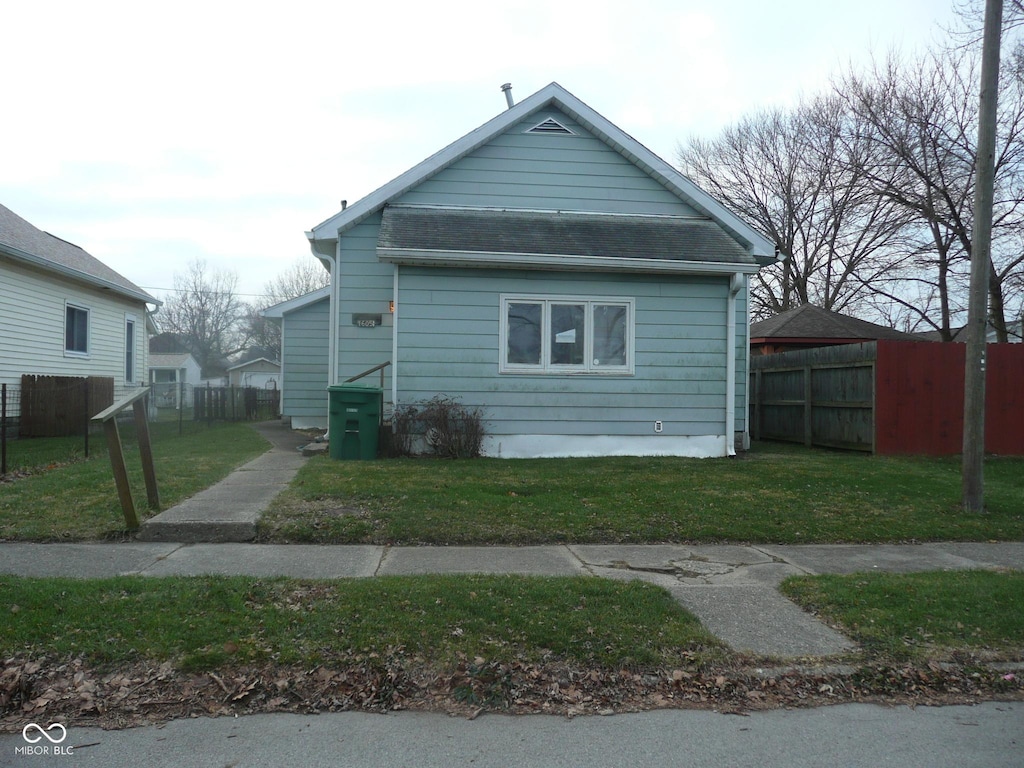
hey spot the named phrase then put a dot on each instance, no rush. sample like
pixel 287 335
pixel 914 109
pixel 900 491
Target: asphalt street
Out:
pixel 989 735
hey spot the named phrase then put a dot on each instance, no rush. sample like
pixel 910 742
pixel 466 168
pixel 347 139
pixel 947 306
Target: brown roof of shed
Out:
pixel 811 322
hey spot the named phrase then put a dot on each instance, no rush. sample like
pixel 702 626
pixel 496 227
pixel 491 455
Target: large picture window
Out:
pixel 566 335
pixel 76 330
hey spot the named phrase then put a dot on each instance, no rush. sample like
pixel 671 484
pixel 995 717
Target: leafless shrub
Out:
pixel 449 429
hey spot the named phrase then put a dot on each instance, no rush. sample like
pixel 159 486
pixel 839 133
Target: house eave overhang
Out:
pixel 74 274
pixel 558 262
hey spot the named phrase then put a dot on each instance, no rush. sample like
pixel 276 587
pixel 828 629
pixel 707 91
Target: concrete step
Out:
pixel 198 532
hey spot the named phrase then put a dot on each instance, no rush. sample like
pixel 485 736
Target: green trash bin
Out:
pixel 354 421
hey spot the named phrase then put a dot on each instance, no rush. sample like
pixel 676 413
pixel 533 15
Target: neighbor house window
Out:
pixel 76 330
pixel 129 349
pixel 566 335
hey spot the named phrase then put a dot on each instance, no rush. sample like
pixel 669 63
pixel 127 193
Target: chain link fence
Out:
pixel 46 421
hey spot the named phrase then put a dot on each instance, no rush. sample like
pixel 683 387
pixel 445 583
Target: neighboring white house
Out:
pixel 65 313
pixel 260 373
pixel 173 376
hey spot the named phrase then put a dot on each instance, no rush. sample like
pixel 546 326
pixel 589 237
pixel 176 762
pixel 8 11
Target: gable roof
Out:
pixel 247 363
pixel 282 309
pixel 757 246
pixel 170 360
pixel 811 322
pixel 22 241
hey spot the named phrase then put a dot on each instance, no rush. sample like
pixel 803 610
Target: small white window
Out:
pixel 566 335
pixel 129 349
pixel 76 330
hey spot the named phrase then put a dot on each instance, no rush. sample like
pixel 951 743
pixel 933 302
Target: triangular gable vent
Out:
pixel 551 126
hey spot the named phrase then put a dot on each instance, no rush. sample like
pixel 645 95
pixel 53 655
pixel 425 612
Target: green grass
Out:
pixel 913 616
pixel 776 493
pixel 78 500
pixel 203 622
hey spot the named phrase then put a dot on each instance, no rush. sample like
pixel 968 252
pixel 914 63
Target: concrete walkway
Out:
pixel 228 510
pixel 732 589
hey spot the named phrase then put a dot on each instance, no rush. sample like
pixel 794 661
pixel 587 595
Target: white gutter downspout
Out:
pixel 394 342
pixel 736 283
pixel 746 381
pixel 334 319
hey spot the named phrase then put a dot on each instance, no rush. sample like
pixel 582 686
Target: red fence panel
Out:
pixel 1004 399
pixel 919 398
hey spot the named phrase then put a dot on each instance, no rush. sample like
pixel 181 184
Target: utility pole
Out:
pixel 973 471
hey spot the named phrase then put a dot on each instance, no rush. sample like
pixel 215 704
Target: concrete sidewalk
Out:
pixel 731 589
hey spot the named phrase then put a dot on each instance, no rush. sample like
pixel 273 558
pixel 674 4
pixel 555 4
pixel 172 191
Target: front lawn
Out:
pixel 201 623
pixel 775 493
pixel 75 499
pixel 920 615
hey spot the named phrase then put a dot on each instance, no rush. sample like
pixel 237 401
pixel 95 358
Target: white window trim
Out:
pixel 88 330
pixel 547 368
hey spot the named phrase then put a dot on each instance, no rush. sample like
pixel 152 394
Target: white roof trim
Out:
pixel 282 309
pixel 559 262
pixel 76 274
pixel 247 363
pixel 325 233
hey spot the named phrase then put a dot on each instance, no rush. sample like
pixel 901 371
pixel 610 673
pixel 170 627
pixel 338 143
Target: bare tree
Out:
pixel 799 177
pixel 304 276
pixel 207 314
pixel 923 122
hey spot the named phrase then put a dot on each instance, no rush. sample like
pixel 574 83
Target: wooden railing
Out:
pixel 124 492
pixel 375 368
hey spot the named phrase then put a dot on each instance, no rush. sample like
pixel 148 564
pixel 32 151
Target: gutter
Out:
pixel 76 274
pixel 559 262
pixel 736 283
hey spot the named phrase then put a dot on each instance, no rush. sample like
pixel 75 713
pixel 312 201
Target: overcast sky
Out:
pixel 156 134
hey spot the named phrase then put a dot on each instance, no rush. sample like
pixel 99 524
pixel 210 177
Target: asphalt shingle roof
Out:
pixel 20 235
pixel 811 322
pixel 558 233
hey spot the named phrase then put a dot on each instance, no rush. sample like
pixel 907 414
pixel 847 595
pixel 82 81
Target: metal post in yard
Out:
pixel 88 418
pixel 181 406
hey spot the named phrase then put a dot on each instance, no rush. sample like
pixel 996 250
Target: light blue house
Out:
pixel 304 332
pixel 551 270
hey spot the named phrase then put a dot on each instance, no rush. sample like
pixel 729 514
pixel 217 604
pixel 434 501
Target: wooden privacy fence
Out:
pixel 888 397
pixel 59 406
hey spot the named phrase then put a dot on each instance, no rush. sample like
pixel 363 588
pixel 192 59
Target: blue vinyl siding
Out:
pixel 367 286
pixel 449 344
pixel 570 173
pixel 304 369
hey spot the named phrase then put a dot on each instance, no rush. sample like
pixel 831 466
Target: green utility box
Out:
pixel 354 421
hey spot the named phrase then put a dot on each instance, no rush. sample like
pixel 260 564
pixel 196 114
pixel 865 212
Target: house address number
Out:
pixel 366 321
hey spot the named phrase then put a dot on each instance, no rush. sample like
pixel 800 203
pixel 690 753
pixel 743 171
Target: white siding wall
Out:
pixel 32 312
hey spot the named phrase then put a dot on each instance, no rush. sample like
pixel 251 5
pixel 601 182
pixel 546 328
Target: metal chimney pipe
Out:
pixel 507 88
